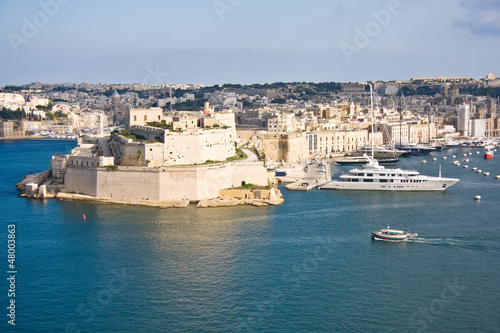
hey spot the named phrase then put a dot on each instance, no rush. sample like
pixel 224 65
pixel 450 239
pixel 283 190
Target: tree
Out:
pixel 425 90
pixel 406 91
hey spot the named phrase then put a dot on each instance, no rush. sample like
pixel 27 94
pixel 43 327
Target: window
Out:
pixel 135 118
pixel 145 117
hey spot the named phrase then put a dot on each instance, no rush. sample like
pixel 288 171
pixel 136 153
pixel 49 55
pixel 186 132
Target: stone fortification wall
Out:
pixel 290 147
pixel 149 132
pixel 164 183
pixel 199 146
pixel 81 180
pixel 127 152
pixel 128 183
pixel 117 144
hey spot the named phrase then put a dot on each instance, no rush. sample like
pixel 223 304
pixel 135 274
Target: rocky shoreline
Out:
pixel 275 200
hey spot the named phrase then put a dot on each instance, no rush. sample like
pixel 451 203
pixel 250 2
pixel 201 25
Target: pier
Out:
pixel 315 174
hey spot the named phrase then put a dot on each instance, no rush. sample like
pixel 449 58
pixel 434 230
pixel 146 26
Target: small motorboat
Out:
pixel 392 235
pixel 488 152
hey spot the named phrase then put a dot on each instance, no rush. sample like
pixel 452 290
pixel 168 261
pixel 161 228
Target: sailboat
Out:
pixel 374 177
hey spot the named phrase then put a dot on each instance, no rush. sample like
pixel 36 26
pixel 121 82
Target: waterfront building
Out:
pixel 11 128
pixel 463 123
pixel 325 143
pixel 477 128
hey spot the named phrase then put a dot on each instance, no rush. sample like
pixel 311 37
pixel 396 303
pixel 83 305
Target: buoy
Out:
pixel 477 197
pixel 84 218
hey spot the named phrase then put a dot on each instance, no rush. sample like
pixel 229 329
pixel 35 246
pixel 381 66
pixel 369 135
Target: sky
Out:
pixel 246 41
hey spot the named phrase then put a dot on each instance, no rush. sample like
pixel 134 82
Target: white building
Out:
pixel 285 123
pixel 463 119
pixel 12 101
pixel 477 128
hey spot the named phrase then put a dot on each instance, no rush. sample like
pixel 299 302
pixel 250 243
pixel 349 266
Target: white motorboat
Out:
pixel 391 235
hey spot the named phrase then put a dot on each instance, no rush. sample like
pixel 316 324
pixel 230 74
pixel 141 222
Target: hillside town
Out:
pixel 288 122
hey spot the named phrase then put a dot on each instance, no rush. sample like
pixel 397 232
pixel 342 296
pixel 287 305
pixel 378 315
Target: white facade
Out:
pixel 477 128
pixel 284 123
pixel 11 101
pixel 327 142
pixel 463 119
pixel 142 116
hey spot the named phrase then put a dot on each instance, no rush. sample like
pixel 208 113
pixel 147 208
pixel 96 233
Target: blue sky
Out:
pixel 246 41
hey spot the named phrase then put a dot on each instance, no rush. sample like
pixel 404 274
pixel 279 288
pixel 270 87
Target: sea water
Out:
pixel 308 265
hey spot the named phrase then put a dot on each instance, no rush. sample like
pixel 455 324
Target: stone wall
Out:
pixel 81 180
pixel 163 183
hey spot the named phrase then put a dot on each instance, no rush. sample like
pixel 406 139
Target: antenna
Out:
pixel 371 103
pixel 170 98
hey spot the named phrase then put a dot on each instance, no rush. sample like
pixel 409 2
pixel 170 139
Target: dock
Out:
pixel 316 173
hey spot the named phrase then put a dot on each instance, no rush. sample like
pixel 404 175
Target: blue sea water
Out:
pixel 308 265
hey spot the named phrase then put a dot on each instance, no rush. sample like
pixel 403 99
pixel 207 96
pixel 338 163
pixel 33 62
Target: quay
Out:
pixel 315 174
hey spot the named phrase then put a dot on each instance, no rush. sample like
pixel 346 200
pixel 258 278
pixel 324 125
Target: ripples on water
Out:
pixel 308 265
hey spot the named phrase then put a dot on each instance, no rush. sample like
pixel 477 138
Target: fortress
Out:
pixel 163 161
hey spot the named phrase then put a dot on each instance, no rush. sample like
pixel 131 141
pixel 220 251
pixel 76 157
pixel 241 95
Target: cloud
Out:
pixel 482 17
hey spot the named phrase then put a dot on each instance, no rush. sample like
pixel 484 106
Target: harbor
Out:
pixel 313 253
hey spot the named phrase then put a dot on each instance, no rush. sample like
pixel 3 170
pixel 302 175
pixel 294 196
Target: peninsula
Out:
pixel 162 160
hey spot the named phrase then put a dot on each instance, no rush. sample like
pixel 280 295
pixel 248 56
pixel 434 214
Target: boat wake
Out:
pixel 480 244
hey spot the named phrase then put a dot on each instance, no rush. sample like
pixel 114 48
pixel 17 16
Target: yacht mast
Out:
pixel 371 103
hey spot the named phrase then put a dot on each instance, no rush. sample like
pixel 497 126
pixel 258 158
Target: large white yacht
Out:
pixel 374 177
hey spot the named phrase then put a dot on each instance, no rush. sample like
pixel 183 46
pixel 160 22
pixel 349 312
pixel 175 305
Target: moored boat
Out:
pixel 360 160
pixel 488 152
pixel 374 177
pixel 392 235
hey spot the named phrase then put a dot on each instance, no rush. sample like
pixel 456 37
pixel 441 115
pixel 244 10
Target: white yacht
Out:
pixel 374 177
pixel 378 152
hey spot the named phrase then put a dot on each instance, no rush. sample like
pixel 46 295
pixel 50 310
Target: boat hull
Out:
pixel 386 161
pixel 401 238
pixel 431 185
